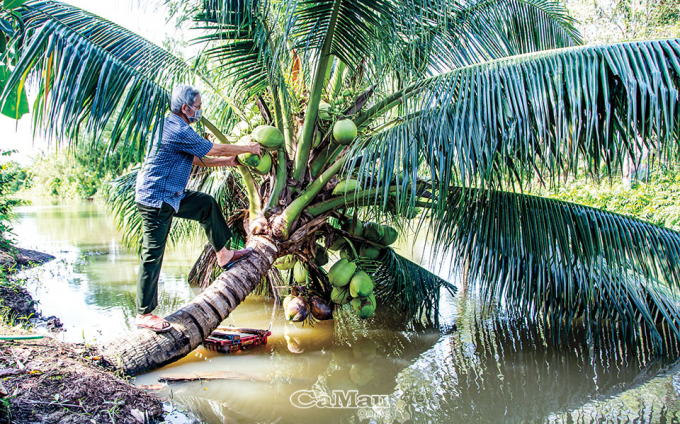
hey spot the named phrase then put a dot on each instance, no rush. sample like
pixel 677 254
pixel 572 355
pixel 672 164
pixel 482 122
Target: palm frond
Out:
pixel 120 199
pixel 495 125
pixel 241 42
pixel 355 27
pixel 420 37
pixel 92 72
pixel 406 287
pixel 565 262
pixel 475 31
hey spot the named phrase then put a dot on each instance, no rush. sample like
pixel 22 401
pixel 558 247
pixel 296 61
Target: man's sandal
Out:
pixel 154 323
pixel 238 255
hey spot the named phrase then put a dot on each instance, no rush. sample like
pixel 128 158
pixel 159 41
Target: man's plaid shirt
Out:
pixel 165 173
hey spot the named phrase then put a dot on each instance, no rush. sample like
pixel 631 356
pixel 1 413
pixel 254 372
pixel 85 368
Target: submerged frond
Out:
pixel 564 262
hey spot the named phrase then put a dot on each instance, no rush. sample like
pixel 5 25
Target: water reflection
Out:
pixel 497 370
pixel 484 368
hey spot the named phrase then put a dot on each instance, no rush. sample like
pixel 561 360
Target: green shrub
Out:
pixel 77 173
pixel 8 177
pixel 657 201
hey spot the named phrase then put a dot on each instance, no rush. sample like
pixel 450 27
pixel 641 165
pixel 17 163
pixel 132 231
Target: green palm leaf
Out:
pixel 243 43
pixel 495 124
pixel 414 35
pixel 471 32
pixel 354 26
pixel 92 72
pixel 564 262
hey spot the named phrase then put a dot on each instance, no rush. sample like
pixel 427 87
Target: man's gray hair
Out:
pixel 182 94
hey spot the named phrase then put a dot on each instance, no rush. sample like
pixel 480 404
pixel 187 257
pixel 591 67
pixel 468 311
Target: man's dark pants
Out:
pixel 196 206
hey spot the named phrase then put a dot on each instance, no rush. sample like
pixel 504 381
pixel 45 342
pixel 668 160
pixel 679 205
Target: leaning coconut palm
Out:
pixel 379 113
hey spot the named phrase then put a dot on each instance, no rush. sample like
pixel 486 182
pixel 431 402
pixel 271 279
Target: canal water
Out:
pixel 480 366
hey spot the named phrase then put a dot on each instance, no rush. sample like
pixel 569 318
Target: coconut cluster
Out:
pixel 350 285
pixel 377 236
pixel 270 138
pixel 296 306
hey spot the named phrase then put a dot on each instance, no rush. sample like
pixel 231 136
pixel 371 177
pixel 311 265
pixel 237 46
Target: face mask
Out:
pixel 198 113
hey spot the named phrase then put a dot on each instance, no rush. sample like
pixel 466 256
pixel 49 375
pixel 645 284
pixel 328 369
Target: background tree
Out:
pixel 456 106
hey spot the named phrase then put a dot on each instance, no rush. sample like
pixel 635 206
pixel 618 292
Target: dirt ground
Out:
pixel 47 381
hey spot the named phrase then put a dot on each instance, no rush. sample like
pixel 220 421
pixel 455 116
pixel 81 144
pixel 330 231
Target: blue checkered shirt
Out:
pixel 165 173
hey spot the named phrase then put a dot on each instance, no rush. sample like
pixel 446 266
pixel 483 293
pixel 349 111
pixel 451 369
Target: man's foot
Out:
pixel 236 256
pixel 153 323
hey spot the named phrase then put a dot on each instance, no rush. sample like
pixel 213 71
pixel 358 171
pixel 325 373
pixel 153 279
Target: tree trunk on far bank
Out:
pixel 144 350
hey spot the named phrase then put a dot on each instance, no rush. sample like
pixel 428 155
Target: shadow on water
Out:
pixel 487 368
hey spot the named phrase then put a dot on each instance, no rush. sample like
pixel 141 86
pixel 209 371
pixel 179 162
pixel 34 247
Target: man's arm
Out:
pixel 235 149
pixel 213 162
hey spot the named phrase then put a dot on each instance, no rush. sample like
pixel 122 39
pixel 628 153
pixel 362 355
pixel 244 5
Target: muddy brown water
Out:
pixel 478 367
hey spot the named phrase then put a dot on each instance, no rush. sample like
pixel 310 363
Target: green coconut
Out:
pixel 345 186
pixel 338 244
pixel 264 165
pixel 347 253
pixel 317 139
pixel 390 236
pixel 344 131
pixel 248 159
pixel 373 231
pixel 356 231
pixel 340 295
pixel 324 111
pixel 320 255
pixel 369 252
pixel 364 306
pixel 268 136
pixel 240 129
pixel 361 285
pixel 341 273
pixel 285 262
pixel 300 272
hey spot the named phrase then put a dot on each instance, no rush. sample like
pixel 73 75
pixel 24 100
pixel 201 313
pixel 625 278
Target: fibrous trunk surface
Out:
pixel 145 350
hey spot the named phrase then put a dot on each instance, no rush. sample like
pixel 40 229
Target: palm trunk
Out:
pixel 144 350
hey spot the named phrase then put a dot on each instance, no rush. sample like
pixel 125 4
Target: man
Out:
pixel 161 195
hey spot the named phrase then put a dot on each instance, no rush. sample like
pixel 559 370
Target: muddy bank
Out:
pixel 17 306
pixel 47 381
pixel 18 258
